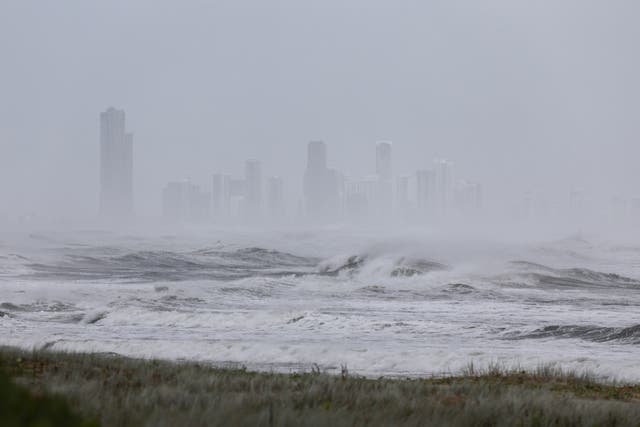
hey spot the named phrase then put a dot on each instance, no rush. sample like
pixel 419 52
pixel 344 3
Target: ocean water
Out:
pixel 392 305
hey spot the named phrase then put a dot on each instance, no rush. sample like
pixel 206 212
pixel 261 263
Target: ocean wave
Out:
pixel 268 258
pixel 383 265
pixel 150 266
pixel 39 306
pixel 460 288
pixel 628 335
pixel 546 277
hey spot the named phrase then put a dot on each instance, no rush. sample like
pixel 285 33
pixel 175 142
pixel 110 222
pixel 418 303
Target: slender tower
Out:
pixel 320 184
pixel 116 166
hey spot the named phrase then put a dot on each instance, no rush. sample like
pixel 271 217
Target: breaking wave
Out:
pixel 386 266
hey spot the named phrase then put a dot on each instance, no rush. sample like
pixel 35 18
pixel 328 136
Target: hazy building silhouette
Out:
pixel 468 197
pixel 444 185
pixel 237 193
pixel 116 165
pixel 425 193
pixel 360 197
pixel 275 199
pixel 221 197
pixel 320 184
pixel 183 201
pixel 403 201
pixel 384 190
pixel 253 189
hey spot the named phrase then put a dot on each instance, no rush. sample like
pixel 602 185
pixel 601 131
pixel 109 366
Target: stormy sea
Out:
pixel 395 305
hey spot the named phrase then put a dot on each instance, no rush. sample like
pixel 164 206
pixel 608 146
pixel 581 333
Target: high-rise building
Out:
pixel 237 196
pixel 316 156
pixel 384 189
pixel 320 184
pixel 175 203
pixel 275 198
pixel 253 189
pixel 402 196
pixel 383 160
pixel 221 196
pixel 444 185
pixel 116 165
pixel 360 197
pixel 426 192
pixel 468 197
pixel 183 201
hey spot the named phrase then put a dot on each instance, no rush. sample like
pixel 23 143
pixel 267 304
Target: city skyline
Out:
pixel 547 109
pixel 432 195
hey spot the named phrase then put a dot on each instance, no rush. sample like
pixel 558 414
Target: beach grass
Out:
pixel 112 390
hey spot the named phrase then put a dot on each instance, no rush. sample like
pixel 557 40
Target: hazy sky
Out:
pixel 541 95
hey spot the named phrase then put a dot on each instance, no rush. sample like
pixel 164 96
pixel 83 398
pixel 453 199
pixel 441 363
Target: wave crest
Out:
pixel 386 266
pixel 152 266
pixel 629 335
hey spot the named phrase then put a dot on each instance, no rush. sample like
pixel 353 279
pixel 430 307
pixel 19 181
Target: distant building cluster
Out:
pixel 430 195
pixel 328 196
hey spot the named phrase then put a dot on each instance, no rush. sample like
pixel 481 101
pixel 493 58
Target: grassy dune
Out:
pixel 117 391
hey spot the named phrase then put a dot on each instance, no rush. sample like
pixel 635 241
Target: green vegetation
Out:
pixel 20 407
pixel 119 391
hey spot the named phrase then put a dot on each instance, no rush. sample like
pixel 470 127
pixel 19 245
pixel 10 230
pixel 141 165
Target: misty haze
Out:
pixel 355 188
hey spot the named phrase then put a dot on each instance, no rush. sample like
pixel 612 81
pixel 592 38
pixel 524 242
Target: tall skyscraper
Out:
pixel 183 201
pixel 221 196
pixel 116 165
pixel 426 192
pixel 237 197
pixel 360 197
pixel 317 156
pixel 320 184
pixel 402 196
pixel 253 189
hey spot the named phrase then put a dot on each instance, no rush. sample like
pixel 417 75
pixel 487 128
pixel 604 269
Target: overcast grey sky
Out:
pixel 541 95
